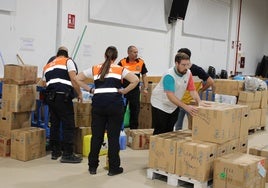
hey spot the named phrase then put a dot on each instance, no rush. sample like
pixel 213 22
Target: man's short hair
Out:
pixel 185 50
pixel 181 56
pixel 62 51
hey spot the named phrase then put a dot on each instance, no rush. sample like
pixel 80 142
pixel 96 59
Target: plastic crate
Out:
pixel 40 117
pixel 1 89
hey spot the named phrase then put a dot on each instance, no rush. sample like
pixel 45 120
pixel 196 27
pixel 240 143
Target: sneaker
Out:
pixel 73 158
pixel 55 155
pixel 92 171
pixel 115 172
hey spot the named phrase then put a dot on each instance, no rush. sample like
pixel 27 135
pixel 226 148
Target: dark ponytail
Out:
pixel 110 55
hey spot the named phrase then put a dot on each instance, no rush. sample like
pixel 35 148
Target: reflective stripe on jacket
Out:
pixel 57 76
pixel 106 91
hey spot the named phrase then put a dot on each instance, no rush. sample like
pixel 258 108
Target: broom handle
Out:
pixel 2 59
pixel 20 59
pixel 85 28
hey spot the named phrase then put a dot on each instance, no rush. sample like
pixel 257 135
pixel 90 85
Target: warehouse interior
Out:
pixel 226 36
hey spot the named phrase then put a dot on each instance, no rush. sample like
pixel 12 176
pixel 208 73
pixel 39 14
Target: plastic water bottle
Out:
pixel 123 140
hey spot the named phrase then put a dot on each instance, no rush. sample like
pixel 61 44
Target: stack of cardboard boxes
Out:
pixel 18 100
pixel 82 114
pixel 257 100
pixel 231 170
pixel 145 116
pixel 138 139
pixel 216 149
pixel 217 131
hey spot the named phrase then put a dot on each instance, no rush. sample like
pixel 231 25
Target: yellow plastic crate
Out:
pixel 86 145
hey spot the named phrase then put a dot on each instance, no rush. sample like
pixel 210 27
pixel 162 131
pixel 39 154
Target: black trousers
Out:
pixel 111 119
pixel 133 100
pixel 61 115
pixel 163 122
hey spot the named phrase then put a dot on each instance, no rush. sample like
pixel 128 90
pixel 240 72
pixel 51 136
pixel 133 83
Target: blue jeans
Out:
pixel 179 123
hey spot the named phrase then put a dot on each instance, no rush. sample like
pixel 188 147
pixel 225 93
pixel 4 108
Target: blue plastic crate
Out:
pixel 1 89
pixel 40 117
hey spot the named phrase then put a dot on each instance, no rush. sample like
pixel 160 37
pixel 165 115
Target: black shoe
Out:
pixel 115 172
pixel 92 171
pixel 55 155
pixel 73 158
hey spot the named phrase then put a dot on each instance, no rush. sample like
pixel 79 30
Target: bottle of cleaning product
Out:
pixel 123 140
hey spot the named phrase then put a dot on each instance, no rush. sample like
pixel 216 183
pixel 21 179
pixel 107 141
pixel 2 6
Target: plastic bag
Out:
pixel 254 84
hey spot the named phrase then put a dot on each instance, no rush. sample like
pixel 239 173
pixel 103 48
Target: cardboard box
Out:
pixel 82 113
pixel 264 99
pixel 244 120
pixel 145 116
pixel 238 170
pixel 243 144
pixel 28 143
pixel 179 157
pixel 20 74
pixel 252 99
pixel 255 118
pixel 198 160
pixel 13 120
pixel 164 152
pixel 19 98
pixel 80 132
pixel 233 146
pixel 260 150
pixel 228 87
pixel 263 121
pixel 139 138
pixel 5 144
pixel 218 123
pixel 146 98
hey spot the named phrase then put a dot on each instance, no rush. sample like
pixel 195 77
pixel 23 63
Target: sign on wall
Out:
pixel 71 21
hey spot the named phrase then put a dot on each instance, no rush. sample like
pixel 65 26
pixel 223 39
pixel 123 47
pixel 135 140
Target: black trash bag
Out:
pixel 224 74
pixel 212 72
pixel 262 68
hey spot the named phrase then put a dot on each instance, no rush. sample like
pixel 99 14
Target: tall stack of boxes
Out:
pixel 219 133
pixel 257 101
pixel 145 116
pixel 18 100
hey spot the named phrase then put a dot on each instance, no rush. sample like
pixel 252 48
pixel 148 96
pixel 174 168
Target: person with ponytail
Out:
pixel 107 107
